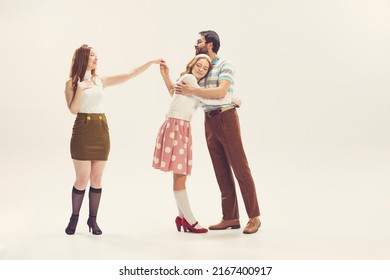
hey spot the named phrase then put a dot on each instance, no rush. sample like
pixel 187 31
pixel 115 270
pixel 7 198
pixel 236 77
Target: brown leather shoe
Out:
pixel 224 224
pixel 252 226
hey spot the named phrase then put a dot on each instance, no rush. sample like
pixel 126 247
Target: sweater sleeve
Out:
pixel 189 78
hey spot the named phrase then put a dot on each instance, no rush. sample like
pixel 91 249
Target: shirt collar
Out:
pixel 215 60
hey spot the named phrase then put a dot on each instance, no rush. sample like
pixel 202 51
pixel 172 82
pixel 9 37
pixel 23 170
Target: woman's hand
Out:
pixel 164 70
pixel 158 61
pixel 84 84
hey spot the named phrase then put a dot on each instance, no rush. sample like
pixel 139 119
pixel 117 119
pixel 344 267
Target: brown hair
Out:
pixel 211 37
pixel 79 65
pixel 192 63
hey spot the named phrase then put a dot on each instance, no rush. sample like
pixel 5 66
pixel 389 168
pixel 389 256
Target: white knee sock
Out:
pixel 184 207
pixel 181 215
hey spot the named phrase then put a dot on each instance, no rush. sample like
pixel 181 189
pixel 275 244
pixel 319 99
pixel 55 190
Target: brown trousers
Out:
pixel 224 142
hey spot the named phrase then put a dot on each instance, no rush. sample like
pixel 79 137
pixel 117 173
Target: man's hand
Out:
pixel 237 102
pixel 183 88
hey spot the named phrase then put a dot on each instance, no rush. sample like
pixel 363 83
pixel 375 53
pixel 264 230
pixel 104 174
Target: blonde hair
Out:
pixel 193 61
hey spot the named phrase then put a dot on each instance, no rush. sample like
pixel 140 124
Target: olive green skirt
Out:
pixel 90 137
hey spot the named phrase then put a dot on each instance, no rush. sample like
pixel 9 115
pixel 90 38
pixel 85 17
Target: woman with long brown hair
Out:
pixel 90 142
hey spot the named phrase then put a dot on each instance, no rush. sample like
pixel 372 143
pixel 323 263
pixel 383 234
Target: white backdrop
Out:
pixel 314 80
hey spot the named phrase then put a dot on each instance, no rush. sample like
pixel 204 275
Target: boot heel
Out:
pixel 92 225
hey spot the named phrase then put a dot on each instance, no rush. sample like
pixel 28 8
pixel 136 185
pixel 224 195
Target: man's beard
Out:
pixel 200 51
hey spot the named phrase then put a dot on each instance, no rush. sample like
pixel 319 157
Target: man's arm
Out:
pixel 209 93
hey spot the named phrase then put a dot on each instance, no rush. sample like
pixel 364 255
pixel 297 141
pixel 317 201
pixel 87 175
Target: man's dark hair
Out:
pixel 211 37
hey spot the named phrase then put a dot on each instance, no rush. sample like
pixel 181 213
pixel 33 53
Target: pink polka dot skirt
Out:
pixel 173 150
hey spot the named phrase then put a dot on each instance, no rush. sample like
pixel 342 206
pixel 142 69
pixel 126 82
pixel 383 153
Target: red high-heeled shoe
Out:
pixel 178 222
pixel 191 228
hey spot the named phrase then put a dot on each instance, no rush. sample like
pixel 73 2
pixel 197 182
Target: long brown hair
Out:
pixel 79 65
pixel 193 61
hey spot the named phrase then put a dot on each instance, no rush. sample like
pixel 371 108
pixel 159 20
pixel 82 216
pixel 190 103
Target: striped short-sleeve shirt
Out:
pixel 222 70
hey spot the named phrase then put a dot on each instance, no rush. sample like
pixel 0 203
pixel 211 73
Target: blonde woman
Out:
pixel 173 150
